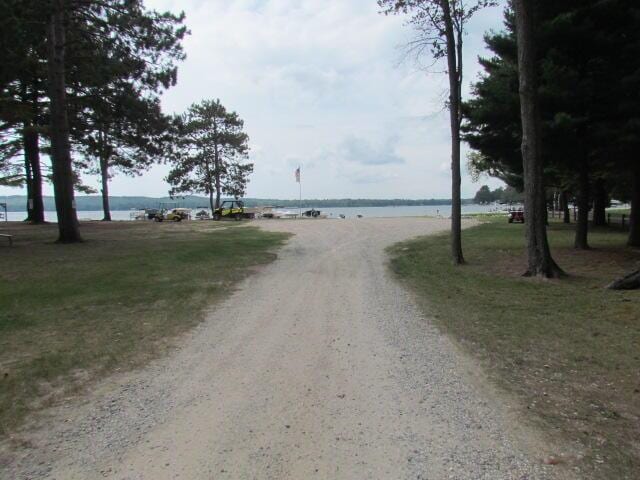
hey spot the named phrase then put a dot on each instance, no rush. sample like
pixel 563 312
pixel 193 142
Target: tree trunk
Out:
pixel 218 190
pixel 582 224
pixel 216 172
pixel 68 227
pixel 546 213
pixel 540 262
pixel 628 282
pixel 29 184
pixel 634 225
pixel 104 177
pixel 453 66
pixel 564 206
pixel 600 202
pixel 210 179
pixel 34 190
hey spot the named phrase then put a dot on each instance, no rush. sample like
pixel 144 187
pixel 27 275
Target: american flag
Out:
pixel 298 174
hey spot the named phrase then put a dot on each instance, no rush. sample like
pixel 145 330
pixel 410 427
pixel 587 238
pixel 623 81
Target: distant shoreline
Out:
pixel 330 212
pixel 17 203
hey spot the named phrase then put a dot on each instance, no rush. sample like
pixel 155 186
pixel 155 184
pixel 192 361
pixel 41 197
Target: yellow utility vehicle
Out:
pixel 174 215
pixel 229 209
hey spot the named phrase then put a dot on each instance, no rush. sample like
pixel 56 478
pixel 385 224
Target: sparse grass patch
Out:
pixel 569 349
pixel 72 313
pixel 486 216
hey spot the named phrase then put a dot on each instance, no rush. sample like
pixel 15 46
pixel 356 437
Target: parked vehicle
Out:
pixel 516 216
pixel 152 213
pixel 203 214
pixel 174 215
pixel 313 213
pixel 229 209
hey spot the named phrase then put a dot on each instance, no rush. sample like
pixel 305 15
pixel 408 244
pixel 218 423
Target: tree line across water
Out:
pixel 556 113
pixel 81 82
pixel 16 203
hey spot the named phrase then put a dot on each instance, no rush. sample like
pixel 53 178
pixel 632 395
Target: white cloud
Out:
pixel 358 150
pixel 318 84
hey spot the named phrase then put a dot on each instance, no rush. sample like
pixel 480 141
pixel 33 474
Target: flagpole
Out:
pixel 300 197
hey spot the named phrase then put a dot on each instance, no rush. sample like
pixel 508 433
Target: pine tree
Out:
pixel 210 152
pixel 588 89
pixel 23 109
pixel 119 125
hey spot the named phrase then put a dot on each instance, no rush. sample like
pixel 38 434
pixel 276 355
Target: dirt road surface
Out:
pixel 318 367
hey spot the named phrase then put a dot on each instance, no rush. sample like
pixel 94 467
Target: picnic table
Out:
pixel 8 237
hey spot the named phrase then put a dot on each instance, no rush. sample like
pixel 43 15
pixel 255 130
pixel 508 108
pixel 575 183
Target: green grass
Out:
pixel 486 216
pixel 569 349
pixel 72 313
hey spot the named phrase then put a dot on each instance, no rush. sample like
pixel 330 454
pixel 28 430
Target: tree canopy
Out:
pixel 210 153
pixel 588 85
pixel 71 69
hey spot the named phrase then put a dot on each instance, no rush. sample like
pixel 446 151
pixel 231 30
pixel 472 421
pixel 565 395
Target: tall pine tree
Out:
pixel 210 155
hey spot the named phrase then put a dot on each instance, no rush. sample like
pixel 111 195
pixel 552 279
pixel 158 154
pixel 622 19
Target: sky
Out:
pixel 324 85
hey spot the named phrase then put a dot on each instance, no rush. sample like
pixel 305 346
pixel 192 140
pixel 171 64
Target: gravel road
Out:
pixel 318 367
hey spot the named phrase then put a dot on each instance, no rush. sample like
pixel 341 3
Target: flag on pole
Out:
pixel 298 174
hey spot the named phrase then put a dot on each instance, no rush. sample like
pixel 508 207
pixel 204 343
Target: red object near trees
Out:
pixel 516 216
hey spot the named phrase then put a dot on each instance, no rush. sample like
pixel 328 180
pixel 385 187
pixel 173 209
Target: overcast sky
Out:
pixel 321 84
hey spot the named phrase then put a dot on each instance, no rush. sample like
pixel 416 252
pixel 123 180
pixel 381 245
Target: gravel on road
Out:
pixel 319 366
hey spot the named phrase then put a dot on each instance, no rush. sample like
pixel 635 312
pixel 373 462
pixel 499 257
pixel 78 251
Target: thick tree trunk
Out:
pixel 540 262
pixel 210 182
pixel 29 184
pixel 628 282
pixel 454 71
pixel 582 224
pixel 104 177
pixel 218 191
pixel 216 173
pixel 564 206
pixel 600 202
pixel 217 167
pixel 68 226
pixel 634 225
pixel 34 190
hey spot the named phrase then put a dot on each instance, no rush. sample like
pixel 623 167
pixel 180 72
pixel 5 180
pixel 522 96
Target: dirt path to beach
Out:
pixel 318 367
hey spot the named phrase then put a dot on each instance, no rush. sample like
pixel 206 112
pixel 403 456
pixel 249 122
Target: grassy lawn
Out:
pixel 72 313
pixel 568 349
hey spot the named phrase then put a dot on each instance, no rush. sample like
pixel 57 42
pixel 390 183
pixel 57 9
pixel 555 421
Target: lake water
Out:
pixel 399 211
pixel 348 212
